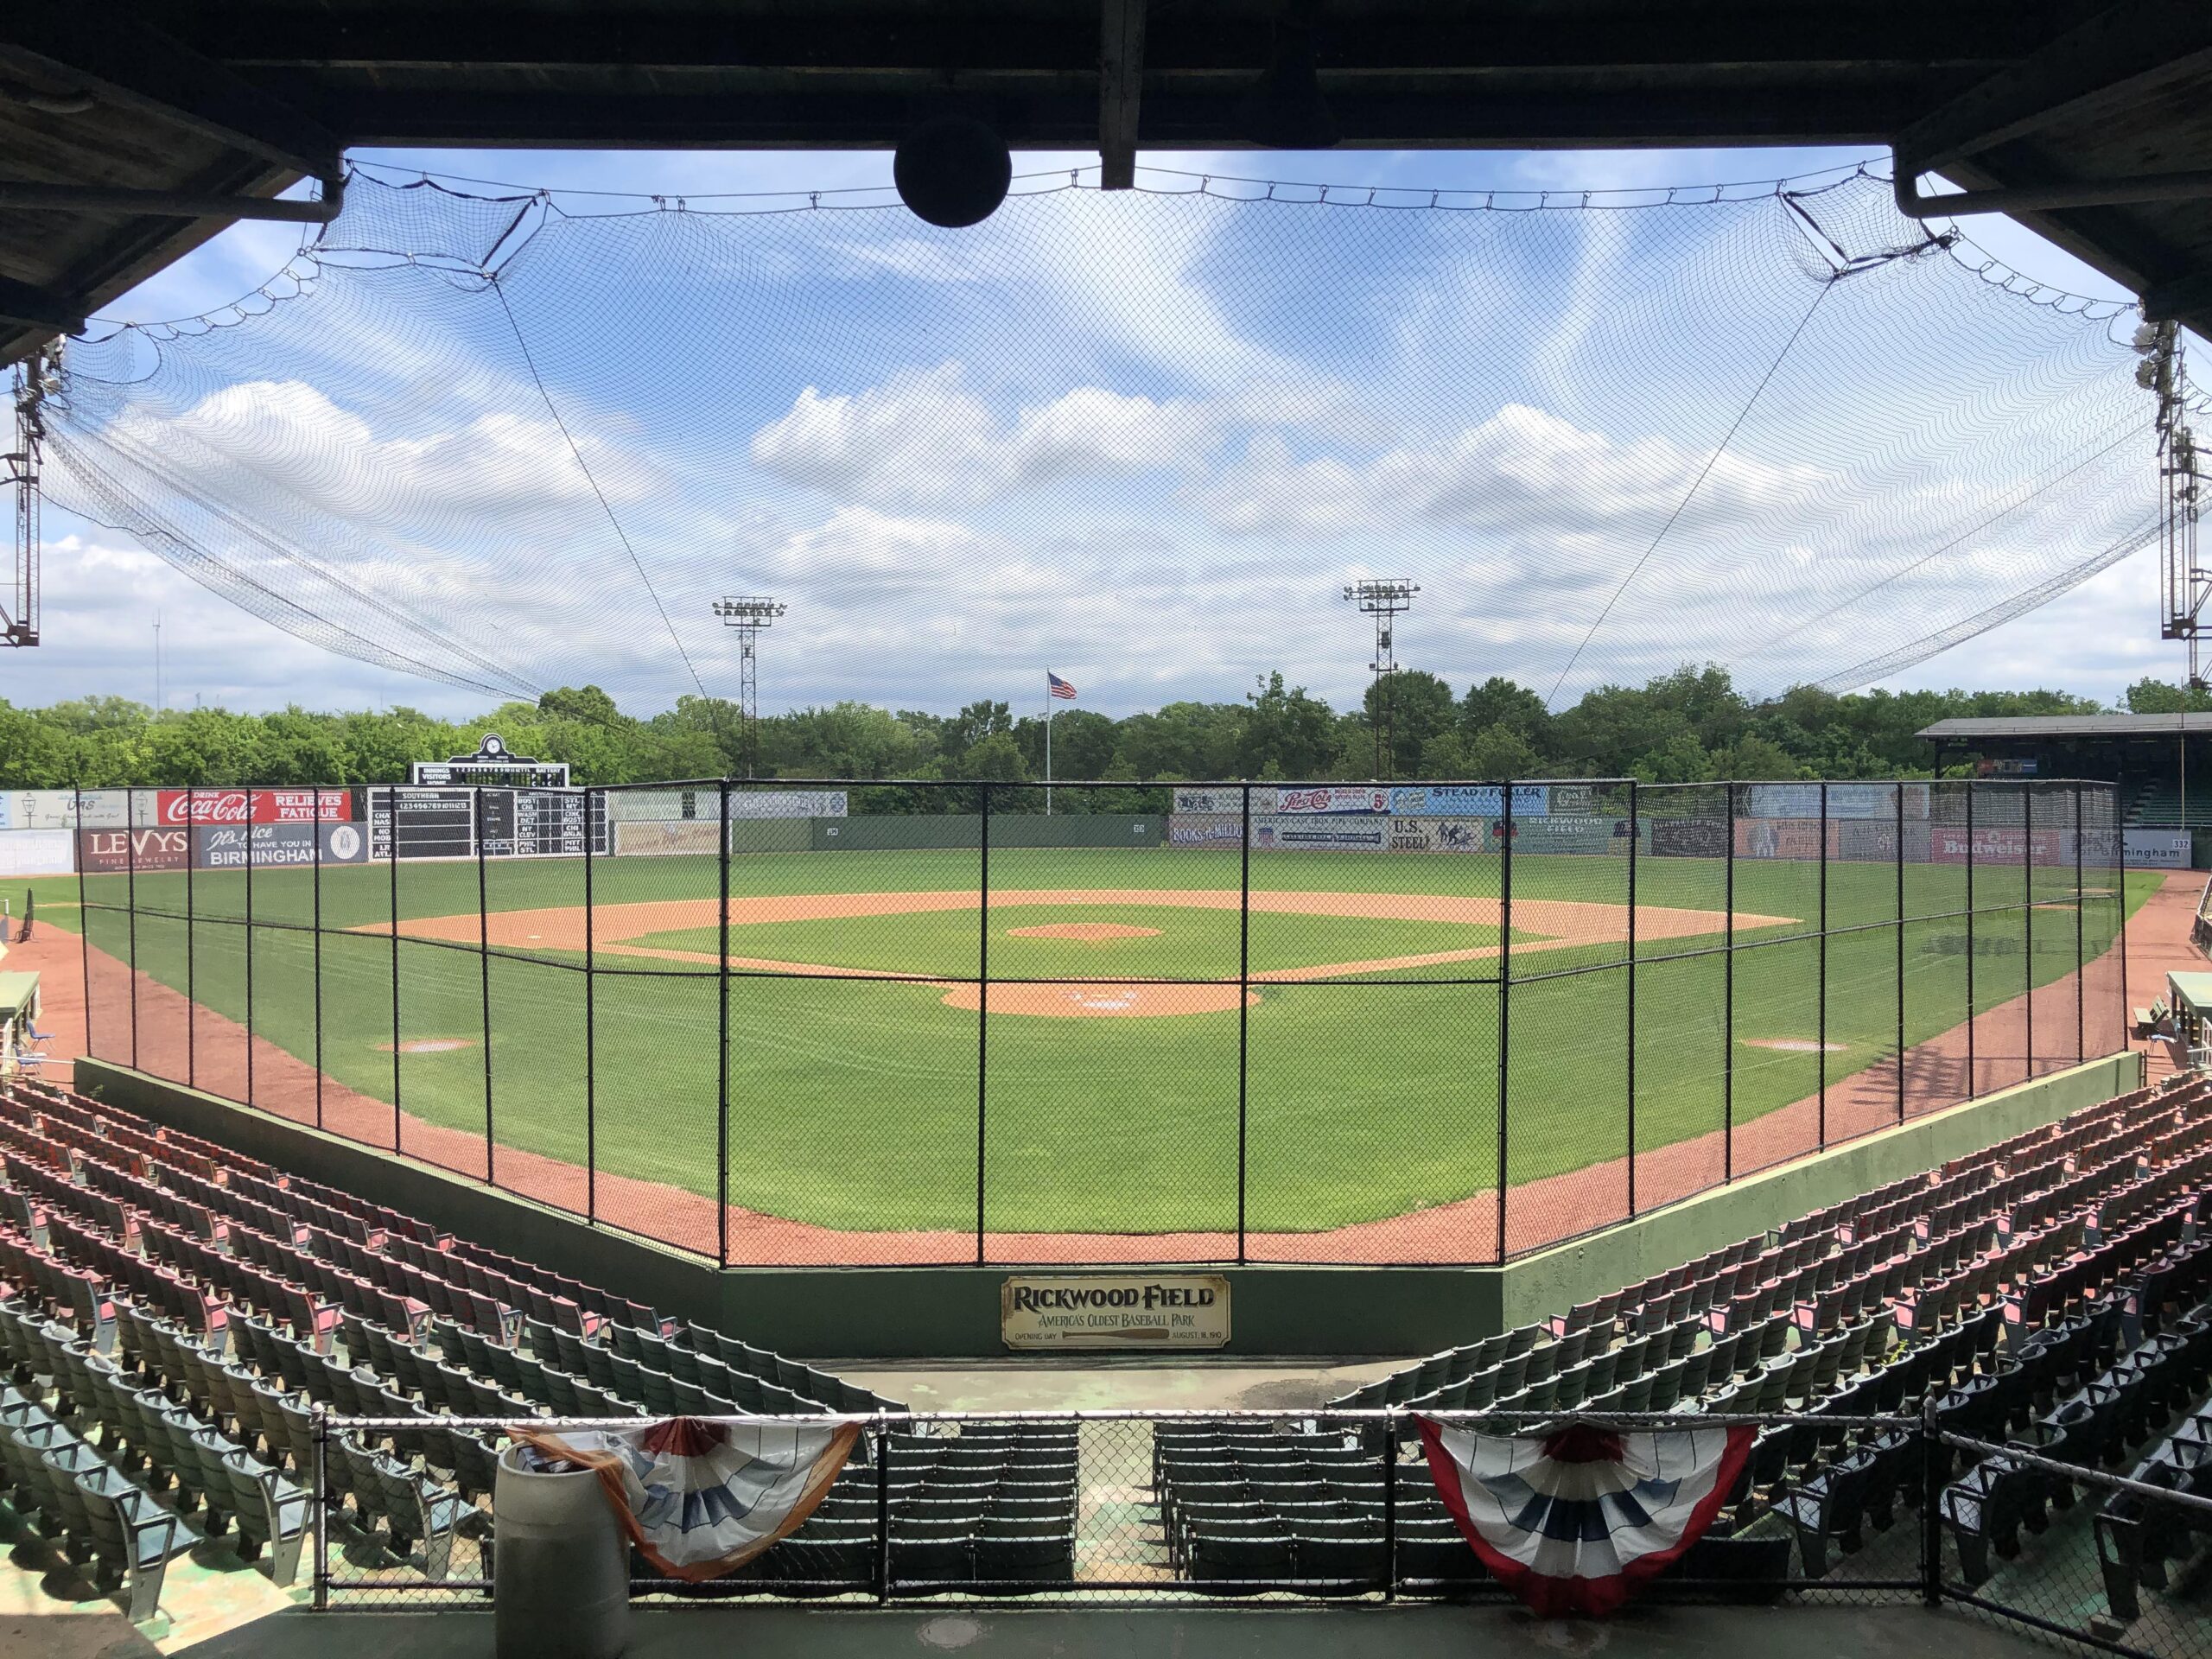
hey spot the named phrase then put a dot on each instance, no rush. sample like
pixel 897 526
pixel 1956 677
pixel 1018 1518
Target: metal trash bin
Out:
pixel 561 1567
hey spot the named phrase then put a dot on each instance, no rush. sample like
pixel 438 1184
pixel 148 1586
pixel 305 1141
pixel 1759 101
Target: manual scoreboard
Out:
pixel 491 804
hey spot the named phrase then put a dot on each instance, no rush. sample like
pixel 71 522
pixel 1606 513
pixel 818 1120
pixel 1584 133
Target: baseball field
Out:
pixel 1098 1076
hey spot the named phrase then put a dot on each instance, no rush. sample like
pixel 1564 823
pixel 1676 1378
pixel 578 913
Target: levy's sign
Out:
pixel 1177 1310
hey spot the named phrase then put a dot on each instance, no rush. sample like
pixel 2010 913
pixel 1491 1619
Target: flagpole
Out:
pixel 1048 744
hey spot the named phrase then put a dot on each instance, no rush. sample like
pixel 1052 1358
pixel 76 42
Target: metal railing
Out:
pixel 1133 1534
pixel 1462 1022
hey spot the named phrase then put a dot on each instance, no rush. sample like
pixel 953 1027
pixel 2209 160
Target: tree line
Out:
pixel 1691 726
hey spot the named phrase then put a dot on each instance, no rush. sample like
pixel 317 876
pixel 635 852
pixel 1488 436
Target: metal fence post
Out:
pixel 982 999
pixel 484 974
pixel 84 916
pixel 130 899
pixel 1821 1037
pixel 1931 1494
pixel 1635 829
pixel 2081 956
pixel 315 846
pixel 1898 853
pixel 722 1037
pixel 319 1484
pixel 1504 1000
pixel 1391 1507
pixel 391 856
pixel 2028 920
pixel 2119 913
pixel 882 1509
pixel 1974 1073
pixel 192 955
pixel 1728 995
pixel 249 951
pixel 1244 1013
pixel 591 1032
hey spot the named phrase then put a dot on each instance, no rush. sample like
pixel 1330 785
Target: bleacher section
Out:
pixel 2156 804
pixel 172 1314
pixel 2045 1274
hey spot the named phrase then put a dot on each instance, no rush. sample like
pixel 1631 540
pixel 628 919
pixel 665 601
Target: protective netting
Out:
pixel 510 439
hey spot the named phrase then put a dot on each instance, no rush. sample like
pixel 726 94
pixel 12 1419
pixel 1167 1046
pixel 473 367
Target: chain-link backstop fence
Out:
pixel 838 1022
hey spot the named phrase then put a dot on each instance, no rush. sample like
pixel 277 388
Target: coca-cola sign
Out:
pixel 205 806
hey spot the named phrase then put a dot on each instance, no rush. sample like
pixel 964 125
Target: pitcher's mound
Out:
pixel 1101 998
pixel 1084 932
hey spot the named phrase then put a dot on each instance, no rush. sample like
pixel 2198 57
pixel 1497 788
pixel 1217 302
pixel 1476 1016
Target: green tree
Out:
pixel 1287 730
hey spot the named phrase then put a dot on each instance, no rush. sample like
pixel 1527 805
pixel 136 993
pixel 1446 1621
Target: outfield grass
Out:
pixel 853 1103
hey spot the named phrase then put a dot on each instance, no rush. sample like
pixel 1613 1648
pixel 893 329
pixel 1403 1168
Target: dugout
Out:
pixel 18 1021
pixel 2163 764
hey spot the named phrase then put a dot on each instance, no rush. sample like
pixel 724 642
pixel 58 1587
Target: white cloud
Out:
pixel 926 438
pixel 1523 473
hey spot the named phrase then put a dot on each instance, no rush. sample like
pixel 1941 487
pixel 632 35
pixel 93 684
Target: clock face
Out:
pixel 494 744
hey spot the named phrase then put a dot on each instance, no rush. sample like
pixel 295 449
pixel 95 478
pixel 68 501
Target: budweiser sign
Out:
pixel 254 805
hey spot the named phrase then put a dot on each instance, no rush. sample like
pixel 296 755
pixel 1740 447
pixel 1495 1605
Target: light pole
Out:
pixel 1385 600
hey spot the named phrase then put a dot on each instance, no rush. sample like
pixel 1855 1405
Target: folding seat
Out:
pixel 475 1465
pixel 599 1366
pixel 1633 1356
pixel 519 1373
pixel 571 1348
pixel 270 1511
pixel 1666 1386
pixel 131 1537
pixel 1636 1395
pixel 560 1393
pixel 1543 1363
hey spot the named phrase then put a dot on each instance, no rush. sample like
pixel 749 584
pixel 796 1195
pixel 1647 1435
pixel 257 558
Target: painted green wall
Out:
pixel 1276 1310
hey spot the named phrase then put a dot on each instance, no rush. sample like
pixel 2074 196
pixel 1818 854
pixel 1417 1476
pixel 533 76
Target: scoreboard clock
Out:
pixel 492 766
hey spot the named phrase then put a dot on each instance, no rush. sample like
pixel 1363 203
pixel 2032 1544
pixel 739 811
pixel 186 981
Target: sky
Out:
pixel 879 455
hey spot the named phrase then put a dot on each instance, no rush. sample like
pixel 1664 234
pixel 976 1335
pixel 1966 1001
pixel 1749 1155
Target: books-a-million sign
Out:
pixel 1178 1310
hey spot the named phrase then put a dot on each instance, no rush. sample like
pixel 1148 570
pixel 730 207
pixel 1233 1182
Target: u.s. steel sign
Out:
pixel 1178 1310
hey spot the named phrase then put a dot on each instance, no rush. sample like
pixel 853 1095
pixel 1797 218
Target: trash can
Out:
pixel 561 1567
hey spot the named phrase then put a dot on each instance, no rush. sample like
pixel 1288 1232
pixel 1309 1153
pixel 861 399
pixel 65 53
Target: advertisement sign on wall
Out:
pixel 2000 844
pixel 2156 849
pixel 1204 828
pixel 1789 837
pixel 253 805
pixel 115 852
pixel 1307 831
pixel 1872 842
pixel 1689 837
pixel 1229 800
pixel 1469 800
pixel 1181 1310
pixel 226 847
pixel 35 852
pixel 1570 834
pixel 1334 798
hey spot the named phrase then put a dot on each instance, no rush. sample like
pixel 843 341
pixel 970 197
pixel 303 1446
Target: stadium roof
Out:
pixel 2047 726
pixel 2087 117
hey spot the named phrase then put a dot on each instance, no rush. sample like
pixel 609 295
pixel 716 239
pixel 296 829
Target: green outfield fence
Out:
pixel 836 1022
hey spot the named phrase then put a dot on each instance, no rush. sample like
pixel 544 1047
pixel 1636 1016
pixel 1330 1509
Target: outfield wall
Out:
pixel 930 1313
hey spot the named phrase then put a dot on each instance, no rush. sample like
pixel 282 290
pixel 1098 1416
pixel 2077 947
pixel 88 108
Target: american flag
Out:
pixel 1058 687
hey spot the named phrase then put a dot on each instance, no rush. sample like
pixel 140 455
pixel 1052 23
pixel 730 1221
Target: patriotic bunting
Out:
pixel 1571 1519
pixel 700 1496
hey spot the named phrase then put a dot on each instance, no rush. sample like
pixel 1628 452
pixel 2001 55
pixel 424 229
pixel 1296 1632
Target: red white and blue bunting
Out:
pixel 700 1496
pixel 1571 1519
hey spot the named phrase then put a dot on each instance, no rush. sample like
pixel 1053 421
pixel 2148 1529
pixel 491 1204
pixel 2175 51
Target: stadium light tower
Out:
pixel 748 615
pixel 2186 583
pixel 1385 600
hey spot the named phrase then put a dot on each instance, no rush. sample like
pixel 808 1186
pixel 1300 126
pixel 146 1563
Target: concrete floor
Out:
pixel 766 1632
pixel 1179 1383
